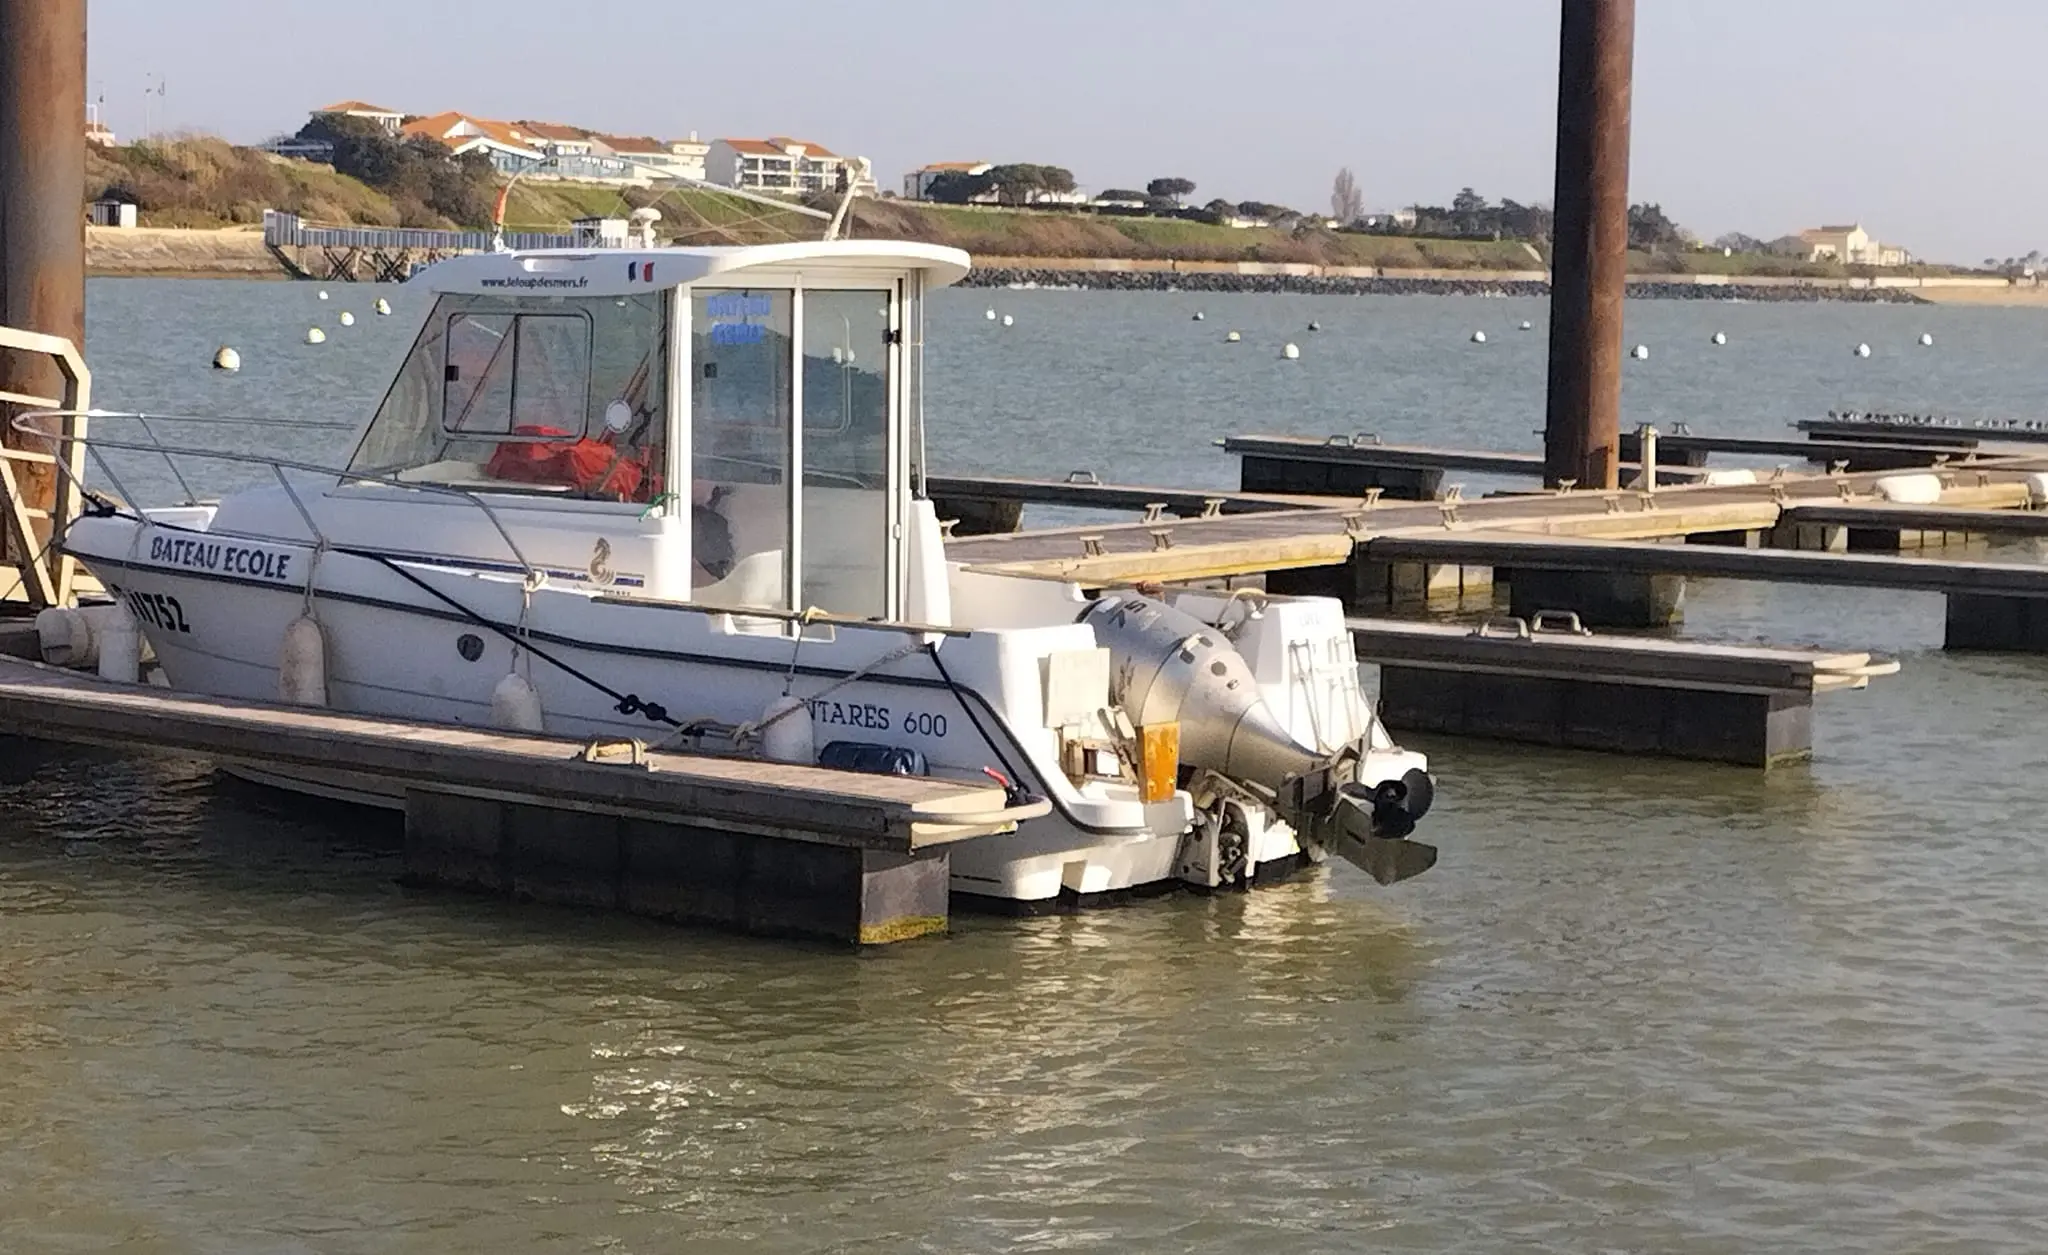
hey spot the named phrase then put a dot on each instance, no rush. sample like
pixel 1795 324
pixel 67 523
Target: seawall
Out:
pixel 1185 276
pixel 172 253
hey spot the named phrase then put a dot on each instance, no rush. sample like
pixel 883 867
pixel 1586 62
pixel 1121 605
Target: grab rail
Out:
pixel 277 465
pixel 532 573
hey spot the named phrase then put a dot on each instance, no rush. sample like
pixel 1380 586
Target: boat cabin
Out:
pixel 740 424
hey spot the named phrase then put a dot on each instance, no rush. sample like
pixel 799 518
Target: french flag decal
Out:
pixel 640 272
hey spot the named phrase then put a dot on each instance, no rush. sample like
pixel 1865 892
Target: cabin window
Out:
pixel 518 375
pixel 741 413
pixel 846 451
pixel 551 395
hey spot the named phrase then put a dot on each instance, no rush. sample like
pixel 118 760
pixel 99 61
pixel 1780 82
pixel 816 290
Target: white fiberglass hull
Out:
pixel 415 641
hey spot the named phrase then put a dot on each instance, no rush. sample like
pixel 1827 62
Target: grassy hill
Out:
pixel 206 182
pixel 201 182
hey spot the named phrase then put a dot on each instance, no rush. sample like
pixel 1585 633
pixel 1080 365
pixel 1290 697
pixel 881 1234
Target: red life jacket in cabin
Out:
pixel 595 467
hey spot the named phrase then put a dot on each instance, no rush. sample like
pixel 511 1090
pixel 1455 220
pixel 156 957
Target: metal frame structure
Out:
pixel 32 534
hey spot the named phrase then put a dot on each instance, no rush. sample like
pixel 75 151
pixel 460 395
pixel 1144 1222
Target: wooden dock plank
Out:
pixel 1636 660
pixel 1093 494
pixel 1512 550
pixel 1925 518
pixel 1353 451
pixel 810 804
pixel 1212 548
pixel 1921 433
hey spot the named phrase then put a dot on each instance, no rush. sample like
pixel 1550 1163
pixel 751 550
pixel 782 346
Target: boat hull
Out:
pixel 416 642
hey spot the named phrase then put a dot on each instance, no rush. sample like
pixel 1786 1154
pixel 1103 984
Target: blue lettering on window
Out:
pixel 738 333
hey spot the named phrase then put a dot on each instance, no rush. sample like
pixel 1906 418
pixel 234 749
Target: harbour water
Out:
pixel 1638 1006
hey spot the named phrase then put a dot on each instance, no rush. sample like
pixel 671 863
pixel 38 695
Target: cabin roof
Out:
pixel 625 271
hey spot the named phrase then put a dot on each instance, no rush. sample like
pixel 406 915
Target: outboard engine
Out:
pixel 1169 667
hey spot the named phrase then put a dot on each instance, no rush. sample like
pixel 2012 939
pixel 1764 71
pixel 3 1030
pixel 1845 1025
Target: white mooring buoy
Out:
pixel 315 336
pixel 1199 315
pixel 1009 321
pixel 1926 340
pixel 1232 338
pixel 1291 352
pixel 225 358
pixel 1315 326
pixel 383 308
pixel 1641 353
pixel 991 315
pixel 323 294
pixel 1863 350
pixel 1526 324
pixel 1479 337
pixel 1720 337
pixel 347 319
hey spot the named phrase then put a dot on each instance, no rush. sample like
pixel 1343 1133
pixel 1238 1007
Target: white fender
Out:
pixel 65 639
pixel 120 647
pixel 302 664
pixel 792 738
pixel 515 705
pixel 1910 489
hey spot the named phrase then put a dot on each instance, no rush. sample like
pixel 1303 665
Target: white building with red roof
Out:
pixel 917 185
pixel 792 167
pixel 390 119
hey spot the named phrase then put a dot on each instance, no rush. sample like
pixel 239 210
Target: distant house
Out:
pixel 112 213
pixel 97 132
pixel 1851 245
pixel 557 140
pixel 684 158
pixel 1404 219
pixel 917 185
pixel 390 119
pixel 791 167
pixel 649 157
pixel 509 147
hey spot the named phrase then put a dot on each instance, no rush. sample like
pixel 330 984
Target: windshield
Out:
pixel 563 395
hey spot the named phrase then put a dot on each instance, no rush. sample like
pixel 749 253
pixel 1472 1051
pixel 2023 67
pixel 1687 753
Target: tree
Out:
pixel 1170 189
pixel 1021 183
pixel 957 187
pixel 424 179
pixel 1219 211
pixel 1737 242
pixel 1649 228
pixel 1265 211
pixel 1015 183
pixel 1347 203
pixel 1121 193
pixel 1056 180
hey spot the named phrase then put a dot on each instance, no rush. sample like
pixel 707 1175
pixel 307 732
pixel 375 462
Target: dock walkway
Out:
pixel 764 847
pixel 1514 680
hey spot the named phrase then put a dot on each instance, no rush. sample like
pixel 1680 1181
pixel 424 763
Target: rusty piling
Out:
pixel 42 188
pixel 1589 254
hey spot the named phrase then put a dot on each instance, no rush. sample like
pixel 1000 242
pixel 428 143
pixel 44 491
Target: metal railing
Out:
pixel 287 230
pixel 71 470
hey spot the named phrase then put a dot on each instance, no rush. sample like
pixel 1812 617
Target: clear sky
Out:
pixel 1917 119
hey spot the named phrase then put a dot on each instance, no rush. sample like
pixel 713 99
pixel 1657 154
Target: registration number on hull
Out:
pixel 160 611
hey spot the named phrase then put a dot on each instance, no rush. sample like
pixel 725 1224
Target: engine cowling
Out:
pixel 1166 666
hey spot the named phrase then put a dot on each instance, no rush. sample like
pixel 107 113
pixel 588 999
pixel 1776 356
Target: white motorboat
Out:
pixel 676 494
